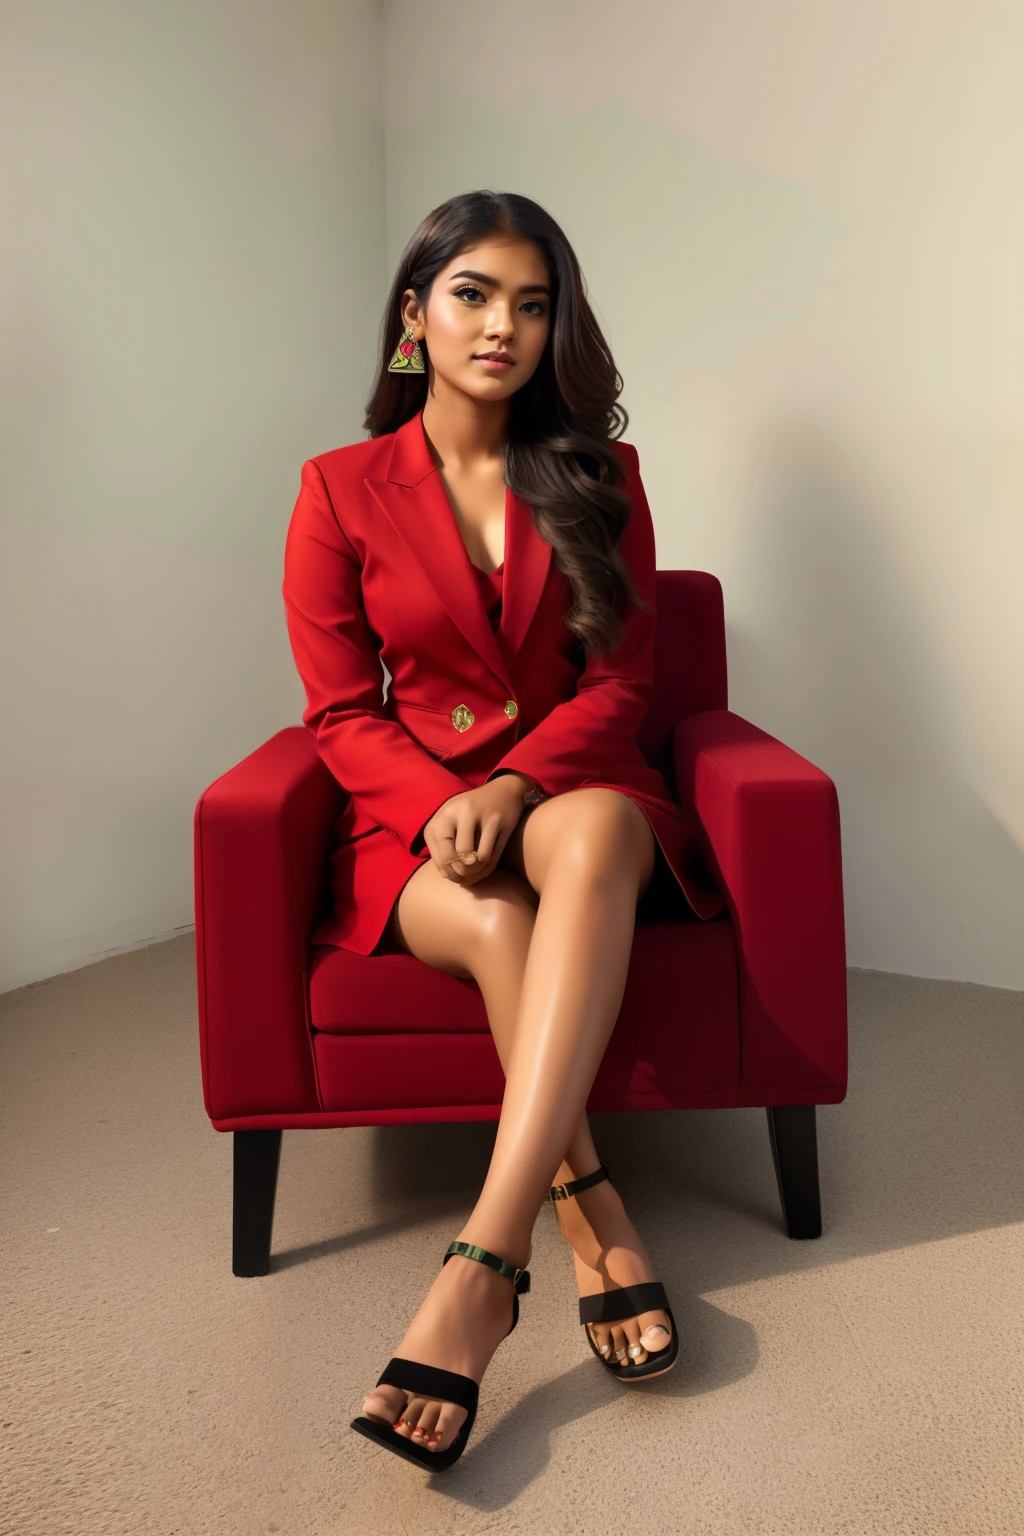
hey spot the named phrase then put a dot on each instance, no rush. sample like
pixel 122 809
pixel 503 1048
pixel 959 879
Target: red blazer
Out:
pixel 376 569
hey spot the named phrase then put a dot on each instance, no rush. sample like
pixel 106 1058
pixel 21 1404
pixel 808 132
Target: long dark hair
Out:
pixel 558 453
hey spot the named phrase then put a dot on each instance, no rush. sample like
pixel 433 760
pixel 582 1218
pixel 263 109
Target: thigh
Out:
pixel 599 826
pixel 445 923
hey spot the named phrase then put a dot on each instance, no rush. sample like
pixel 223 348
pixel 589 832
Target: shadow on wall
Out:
pixel 838 662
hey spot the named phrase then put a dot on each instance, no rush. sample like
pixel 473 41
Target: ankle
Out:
pixel 593 1207
pixel 512 1249
pixel 580 1168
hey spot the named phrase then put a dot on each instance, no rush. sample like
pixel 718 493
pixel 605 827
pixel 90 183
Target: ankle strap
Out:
pixel 566 1191
pixel 520 1277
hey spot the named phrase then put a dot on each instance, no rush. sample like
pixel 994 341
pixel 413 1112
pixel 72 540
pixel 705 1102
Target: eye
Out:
pixel 541 308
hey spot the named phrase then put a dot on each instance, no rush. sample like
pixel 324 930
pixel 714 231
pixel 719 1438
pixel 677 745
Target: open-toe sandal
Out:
pixel 431 1381
pixel 623 1301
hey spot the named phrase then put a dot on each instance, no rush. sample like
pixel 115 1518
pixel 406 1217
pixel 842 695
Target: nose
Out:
pixel 499 325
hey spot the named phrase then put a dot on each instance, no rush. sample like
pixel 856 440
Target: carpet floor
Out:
pixel 867 1383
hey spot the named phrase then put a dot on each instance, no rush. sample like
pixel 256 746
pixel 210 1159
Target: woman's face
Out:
pixel 494 297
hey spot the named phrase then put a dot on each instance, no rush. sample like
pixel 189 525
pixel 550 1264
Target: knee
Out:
pixel 504 912
pixel 605 835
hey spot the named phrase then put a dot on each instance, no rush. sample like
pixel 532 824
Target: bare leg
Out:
pixel 607 1248
pixel 589 877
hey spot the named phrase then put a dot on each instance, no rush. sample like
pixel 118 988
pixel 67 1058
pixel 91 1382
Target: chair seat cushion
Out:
pixel 391 1031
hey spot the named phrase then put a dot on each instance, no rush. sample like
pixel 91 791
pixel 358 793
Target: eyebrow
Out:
pixel 481 277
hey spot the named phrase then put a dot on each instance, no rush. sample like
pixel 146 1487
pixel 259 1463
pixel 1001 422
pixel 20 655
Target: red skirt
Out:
pixel 370 871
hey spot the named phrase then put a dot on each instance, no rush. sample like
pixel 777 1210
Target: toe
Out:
pixel 385 1404
pixel 411 1416
pixel 427 1422
pixel 619 1344
pixel 636 1353
pixel 602 1337
pixel 655 1330
pixel 449 1421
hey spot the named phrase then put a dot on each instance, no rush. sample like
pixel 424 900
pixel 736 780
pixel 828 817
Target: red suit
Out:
pixel 376 570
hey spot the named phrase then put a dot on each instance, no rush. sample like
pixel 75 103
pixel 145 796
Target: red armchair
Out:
pixel 747 1009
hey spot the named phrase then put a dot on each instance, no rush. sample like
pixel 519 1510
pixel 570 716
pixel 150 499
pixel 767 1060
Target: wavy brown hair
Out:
pixel 562 422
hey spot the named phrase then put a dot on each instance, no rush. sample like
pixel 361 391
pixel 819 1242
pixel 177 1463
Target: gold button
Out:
pixel 462 717
pixel 511 709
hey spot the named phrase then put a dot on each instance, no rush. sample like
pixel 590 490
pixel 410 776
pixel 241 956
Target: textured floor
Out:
pixel 868 1382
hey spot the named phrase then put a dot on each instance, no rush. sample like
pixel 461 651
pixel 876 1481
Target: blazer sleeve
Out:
pixel 586 735
pixel 375 759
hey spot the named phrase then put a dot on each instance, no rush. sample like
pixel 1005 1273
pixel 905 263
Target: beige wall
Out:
pixel 190 307
pixel 801 226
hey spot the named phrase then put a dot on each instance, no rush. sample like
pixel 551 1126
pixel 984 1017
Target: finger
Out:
pixel 480 869
pixel 443 849
pixel 468 836
pixel 488 837
pixel 466 833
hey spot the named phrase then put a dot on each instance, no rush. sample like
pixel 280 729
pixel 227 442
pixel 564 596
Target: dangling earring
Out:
pixel 407 356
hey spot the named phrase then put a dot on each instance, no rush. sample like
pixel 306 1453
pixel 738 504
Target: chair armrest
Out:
pixel 769 831
pixel 262 859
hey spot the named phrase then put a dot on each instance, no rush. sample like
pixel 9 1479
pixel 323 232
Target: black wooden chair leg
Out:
pixel 257 1155
pixel 795 1153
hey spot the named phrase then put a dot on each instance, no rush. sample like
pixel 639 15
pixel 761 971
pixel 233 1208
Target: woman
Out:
pixel 492 545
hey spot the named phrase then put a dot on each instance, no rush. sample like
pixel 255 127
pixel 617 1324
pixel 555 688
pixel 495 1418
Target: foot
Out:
pixel 609 1254
pixel 464 1317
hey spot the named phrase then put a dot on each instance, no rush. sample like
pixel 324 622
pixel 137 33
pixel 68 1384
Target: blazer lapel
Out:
pixel 414 499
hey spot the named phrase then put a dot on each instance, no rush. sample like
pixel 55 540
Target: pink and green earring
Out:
pixel 407 358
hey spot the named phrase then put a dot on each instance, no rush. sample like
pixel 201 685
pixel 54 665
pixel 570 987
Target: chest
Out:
pixel 478 506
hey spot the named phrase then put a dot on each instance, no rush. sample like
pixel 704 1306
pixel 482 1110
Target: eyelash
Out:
pixel 471 288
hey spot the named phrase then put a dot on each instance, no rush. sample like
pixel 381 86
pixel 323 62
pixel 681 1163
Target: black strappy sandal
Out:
pixel 624 1301
pixel 431 1381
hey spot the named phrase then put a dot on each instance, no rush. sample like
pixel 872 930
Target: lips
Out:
pixel 493 357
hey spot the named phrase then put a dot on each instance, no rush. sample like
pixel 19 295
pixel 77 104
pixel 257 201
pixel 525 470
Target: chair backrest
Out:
pixel 689 658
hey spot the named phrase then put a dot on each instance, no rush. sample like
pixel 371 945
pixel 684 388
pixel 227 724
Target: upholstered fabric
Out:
pixel 746 1008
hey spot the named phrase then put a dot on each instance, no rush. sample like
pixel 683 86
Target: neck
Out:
pixel 465 435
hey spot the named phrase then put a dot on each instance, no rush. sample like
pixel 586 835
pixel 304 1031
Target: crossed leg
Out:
pixel 587 855
pixel 607 1248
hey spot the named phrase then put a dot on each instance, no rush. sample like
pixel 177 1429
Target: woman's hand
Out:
pixel 479 821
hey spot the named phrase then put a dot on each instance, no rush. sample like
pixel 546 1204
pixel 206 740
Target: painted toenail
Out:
pixel 604 1349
